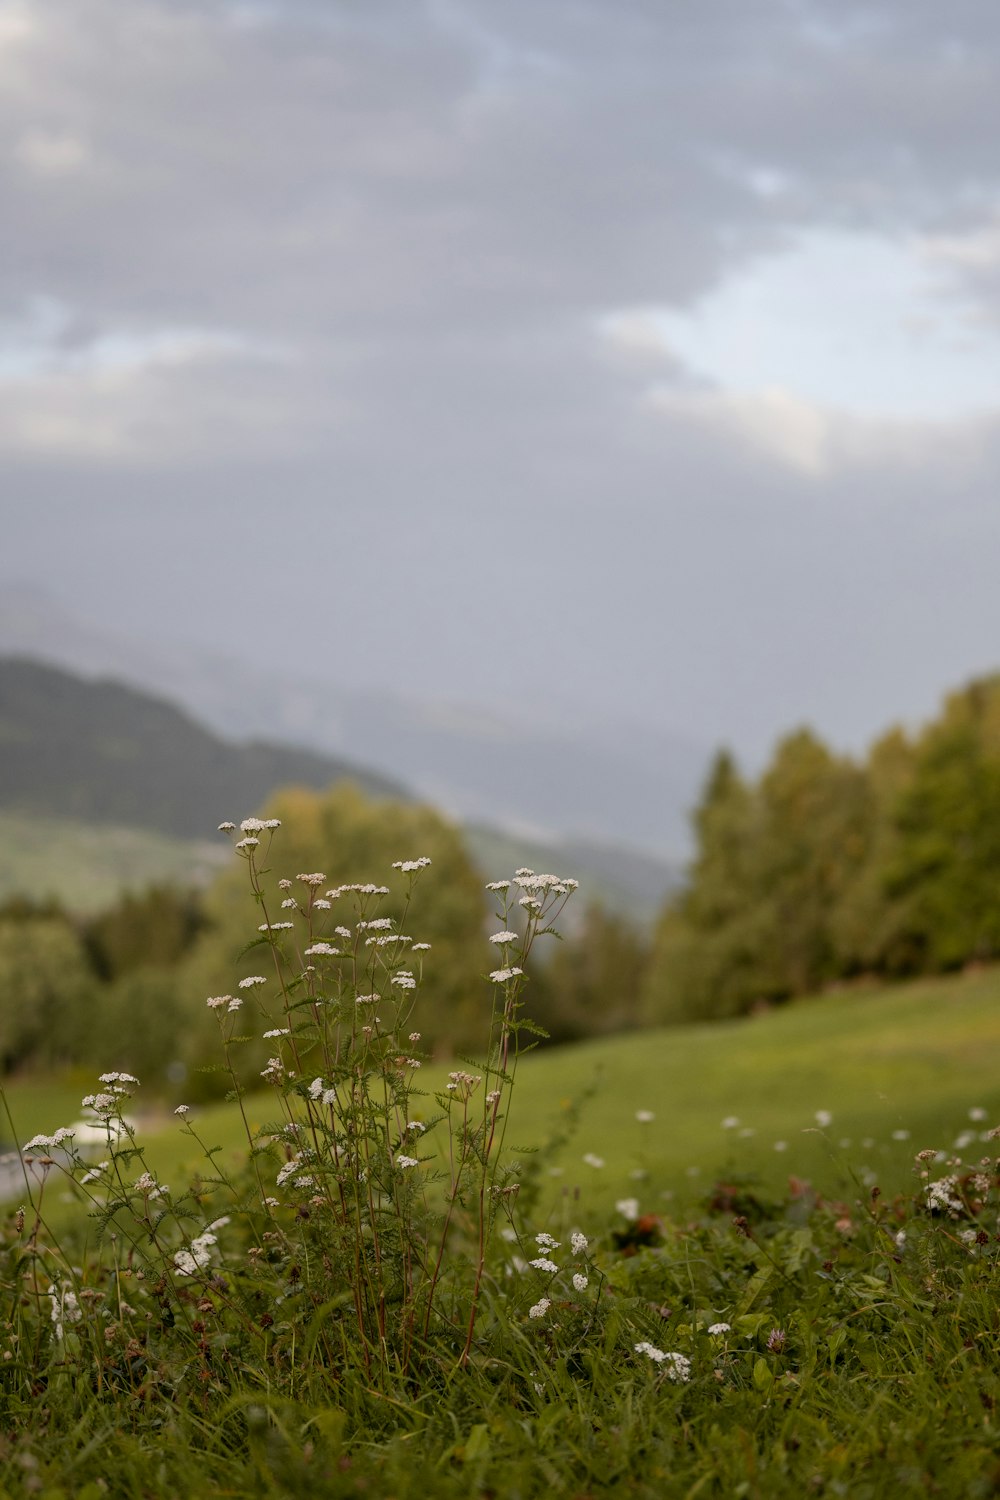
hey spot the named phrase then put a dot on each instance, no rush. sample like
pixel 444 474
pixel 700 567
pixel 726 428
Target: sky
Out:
pixel 630 363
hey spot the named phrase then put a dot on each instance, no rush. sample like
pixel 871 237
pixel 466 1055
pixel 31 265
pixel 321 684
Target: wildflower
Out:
pixel 227 827
pixel 421 948
pixel 251 825
pixel 501 976
pixel 289 904
pixel 579 1242
pixel 628 1208
pixel 288 1170
pixel 343 932
pixel 118 1078
pixel 593 1161
pixel 321 905
pixel 95 1172
pixel 404 980
pixel 313 880
pixel 284 885
pixel 234 1004
pixel 776 1340
pixel 377 924
pixel 493 1097
pixel 498 885
pixel 781 1145
pixel 65 1308
pixel 546 1241
pixel 277 1031
pixel 406 865
pixel 414 1036
pixel 146 1183
pixel 678 1368
pixel 276 926
pixel 540 1308
pixel 730 1122
pixel 381 940
pixel 250 843
pixel 47 1142
pixel 251 980
pixel 943 1196
pixel 504 937
pixel 580 1281
pixel 407 1161
pixel 645 1116
pixel 901 1135
pixel 274 1072
pixel 271 824
pixel 718 1329
pixel 823 1118
pixel 416 1125
pixel 541 1264
pixel 183 1109
pixel 367 999
pixel 326 950
pixel 977 1113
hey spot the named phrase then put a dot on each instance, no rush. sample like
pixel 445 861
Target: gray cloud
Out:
pixel 323 372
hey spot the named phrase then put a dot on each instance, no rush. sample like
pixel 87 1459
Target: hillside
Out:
pixel 100 752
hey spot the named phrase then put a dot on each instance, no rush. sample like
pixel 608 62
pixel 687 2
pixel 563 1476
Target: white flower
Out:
pixel 234 1004
pixel 407 1161
pixel 901 1135
pixel 321 905
pixel 406 865
pixel 183 1109
pixel 593 1161
pixel 730 1122
pixel 316 879
pixel 250 843
pixel 540 1308
pixel 504 937
pixel 278 1031
pixel 227 827
pixel 580 1281
pixel 421 948
pixel 650 1350
pixel 367 999
pixel 579 1242
pixel 404 980
pixel 541 1264
pixel 823 1118
pixel 276 926
pixel 377 924
pixel 118 1078
pixel 501 976
pixel 977 1113
pixel 645 1116
pixel 251 980
pixel 251 825
pixel 289 904
pixel 325 949
pixel 546 1241
pixel 498 885
pixel 718 1329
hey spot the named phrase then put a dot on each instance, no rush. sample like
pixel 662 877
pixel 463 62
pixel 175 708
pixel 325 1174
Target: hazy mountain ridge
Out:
pixel 102 755
pixel 558 777
pixel 103 752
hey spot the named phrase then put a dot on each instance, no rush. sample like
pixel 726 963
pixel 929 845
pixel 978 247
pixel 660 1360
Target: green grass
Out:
pixel 858 1364
pixel 915 1057
pixel 87 867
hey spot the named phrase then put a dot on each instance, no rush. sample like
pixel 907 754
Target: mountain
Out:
pixel 105 787
pixel 572 774
pixel 102 752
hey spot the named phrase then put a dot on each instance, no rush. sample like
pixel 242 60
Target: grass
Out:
pixel 914 1057
pixel 859 1359
pixel 87 867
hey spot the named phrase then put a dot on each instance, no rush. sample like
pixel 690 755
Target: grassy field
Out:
pixel 88 866
pixel 881 1061
pixel 777 1347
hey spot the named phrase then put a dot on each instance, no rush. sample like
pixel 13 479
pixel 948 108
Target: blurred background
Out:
pixel 555 419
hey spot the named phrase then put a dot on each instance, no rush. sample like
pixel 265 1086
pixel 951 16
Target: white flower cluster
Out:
pixel 404 980
pixel 229 1002
pixel 540 1308
pixel 322 1095
pixel 943 1196
pixel 317 878
pixel 678 1368
pixel 406 1161
pixel 377 924
pixel 251 981
pixel 322 950
pixel 364 888
pixel 503 937
pixel 190 1262
pixel 49 1142
pixel 501 976
pixel 718 1329
pixel 557 885
pixel 406 865
pixel 276 926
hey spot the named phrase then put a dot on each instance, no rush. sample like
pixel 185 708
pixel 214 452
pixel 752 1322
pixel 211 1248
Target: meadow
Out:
pixel 752 1258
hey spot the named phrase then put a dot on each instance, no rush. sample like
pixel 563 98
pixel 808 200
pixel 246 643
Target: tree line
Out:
pixel 826 868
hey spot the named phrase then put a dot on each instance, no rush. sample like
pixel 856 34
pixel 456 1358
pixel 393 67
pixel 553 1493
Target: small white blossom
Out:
pixel 645 1116
pixel 591 1160
pixel 421 948
pixel 406 865
pixel 823 1118
pixel 407 1161
pixel 501 976
pixel 227 827
pixel 546 1241
pixel 504 937
pixel 628 1208
pixel 183 1109
pixel 540 1308
pixel 276 926
pixel 542 1264
pixel 718 1329
pixel 580 1281
pixel 325 949
pixel 730 1122
pixel 498 885
pixel 277 1031
pixel 579 1242
pixel 251 825
pixel 249 843
pixel 404 980
pixel 289 904
pixel 316 879
pixel 251 980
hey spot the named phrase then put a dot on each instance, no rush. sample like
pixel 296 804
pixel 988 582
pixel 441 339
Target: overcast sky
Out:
pixel 637 359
